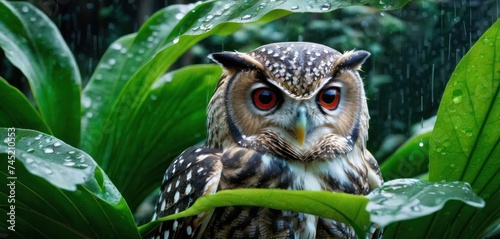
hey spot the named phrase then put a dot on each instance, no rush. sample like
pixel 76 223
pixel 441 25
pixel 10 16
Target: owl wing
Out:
pixel 194 173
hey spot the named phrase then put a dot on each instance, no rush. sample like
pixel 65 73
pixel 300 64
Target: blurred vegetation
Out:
pixel 414 49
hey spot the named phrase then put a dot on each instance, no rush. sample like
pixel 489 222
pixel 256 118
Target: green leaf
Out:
pixel 170 119
pixel 33 44
pixel 53 189
pixel 341 207
pixel 18 112
pixel 410 160
pixel 404 199
pixel 465 145
pixel 132 65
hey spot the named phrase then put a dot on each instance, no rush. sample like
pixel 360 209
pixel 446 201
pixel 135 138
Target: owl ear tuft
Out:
pixel 232 60
pixel 352 59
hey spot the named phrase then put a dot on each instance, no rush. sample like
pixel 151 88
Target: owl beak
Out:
pixel 301 125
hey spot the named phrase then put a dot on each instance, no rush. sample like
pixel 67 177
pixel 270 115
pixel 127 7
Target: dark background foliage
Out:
pixel 414 49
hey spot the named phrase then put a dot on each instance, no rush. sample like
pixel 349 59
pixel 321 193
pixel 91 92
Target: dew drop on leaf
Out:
pixel 69 164
pixel 325 7
pixel 38 137
pixel 57 144
pixel 457 96
pixel 48 150
pixel 246 17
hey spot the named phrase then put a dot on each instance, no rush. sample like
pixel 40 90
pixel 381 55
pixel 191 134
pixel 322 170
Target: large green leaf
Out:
pixel 170 118
pixel 132 65
pixel 55 190
pixel 404 199
pixel 465 145
pixel 18 112
pixel 34 45
pixel 410 160
pixel 341 207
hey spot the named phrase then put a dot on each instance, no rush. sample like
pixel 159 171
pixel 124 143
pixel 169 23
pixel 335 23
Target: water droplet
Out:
pixel 179 16
pixel 30 150
pixel 469 133
pixel 416 208
pixel 82 165
pixel 86 102
pixel 29 160
pixel 209 17
pixel 57 144
pixel 24 9
pixel 325 7
pixel 71 152
pixel 246 17
pixel 294 7
pixel 33 19
pixel 421 144
pixel 48 171
pixel 457 96
pixel 38 137
pixel 89 115
pixel 98 77
pixel 176 40
pixel 69 164
pixel 117 46
pixel 112 61
pixel 48 150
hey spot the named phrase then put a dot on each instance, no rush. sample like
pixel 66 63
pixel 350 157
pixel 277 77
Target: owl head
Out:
pixel 302 101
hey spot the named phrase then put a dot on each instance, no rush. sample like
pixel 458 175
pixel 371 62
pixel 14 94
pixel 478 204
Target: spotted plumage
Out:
pixel 288 116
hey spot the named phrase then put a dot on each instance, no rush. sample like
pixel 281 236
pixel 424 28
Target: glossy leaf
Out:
pixel 18 112
pixel 410 160
pixel 33 44
pixel 465 145
pixel 342 207
pixel 404 199
pixel 58 191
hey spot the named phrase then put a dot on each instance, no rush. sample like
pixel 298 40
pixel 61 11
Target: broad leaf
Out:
pixel 465 145
pixel 404 199
pixel 410 160
pixel 170 119
pixel 18 112
pixel 341 207
pixel 142 60
pixel 58 190
pixel 33 44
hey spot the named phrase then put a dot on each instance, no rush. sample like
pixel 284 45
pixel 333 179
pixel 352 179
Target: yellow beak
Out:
pixel 301 125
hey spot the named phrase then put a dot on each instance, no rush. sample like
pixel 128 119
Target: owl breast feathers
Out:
pixel 287 116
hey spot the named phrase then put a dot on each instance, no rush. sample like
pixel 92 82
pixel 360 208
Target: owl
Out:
pixel 284 116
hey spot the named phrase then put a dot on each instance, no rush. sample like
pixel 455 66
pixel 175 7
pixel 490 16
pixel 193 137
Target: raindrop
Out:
pixel 209 17
pixel 69 164
pixel 48 150
pixel 294 7
pixel 48 171
pixel 153 97
pixel 24 9
pixel 416 208
pixel 246 17
pixel 33 19
pixel 57 144
pixel 6 140
pixel 86 102
pixel 117 46
pixel 112 61
pixel 325 7
pixel 179 16
pixel 30 150
pixel 89 115
pixel 83 165
pixel 38 137
pixel 457 96
pixel 468 133
pixel 421 144
pixel 71 152
pixel 98 77
pixel 176 40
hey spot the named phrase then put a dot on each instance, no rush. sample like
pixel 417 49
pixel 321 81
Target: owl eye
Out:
pixel 264 98
pixel 329 98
